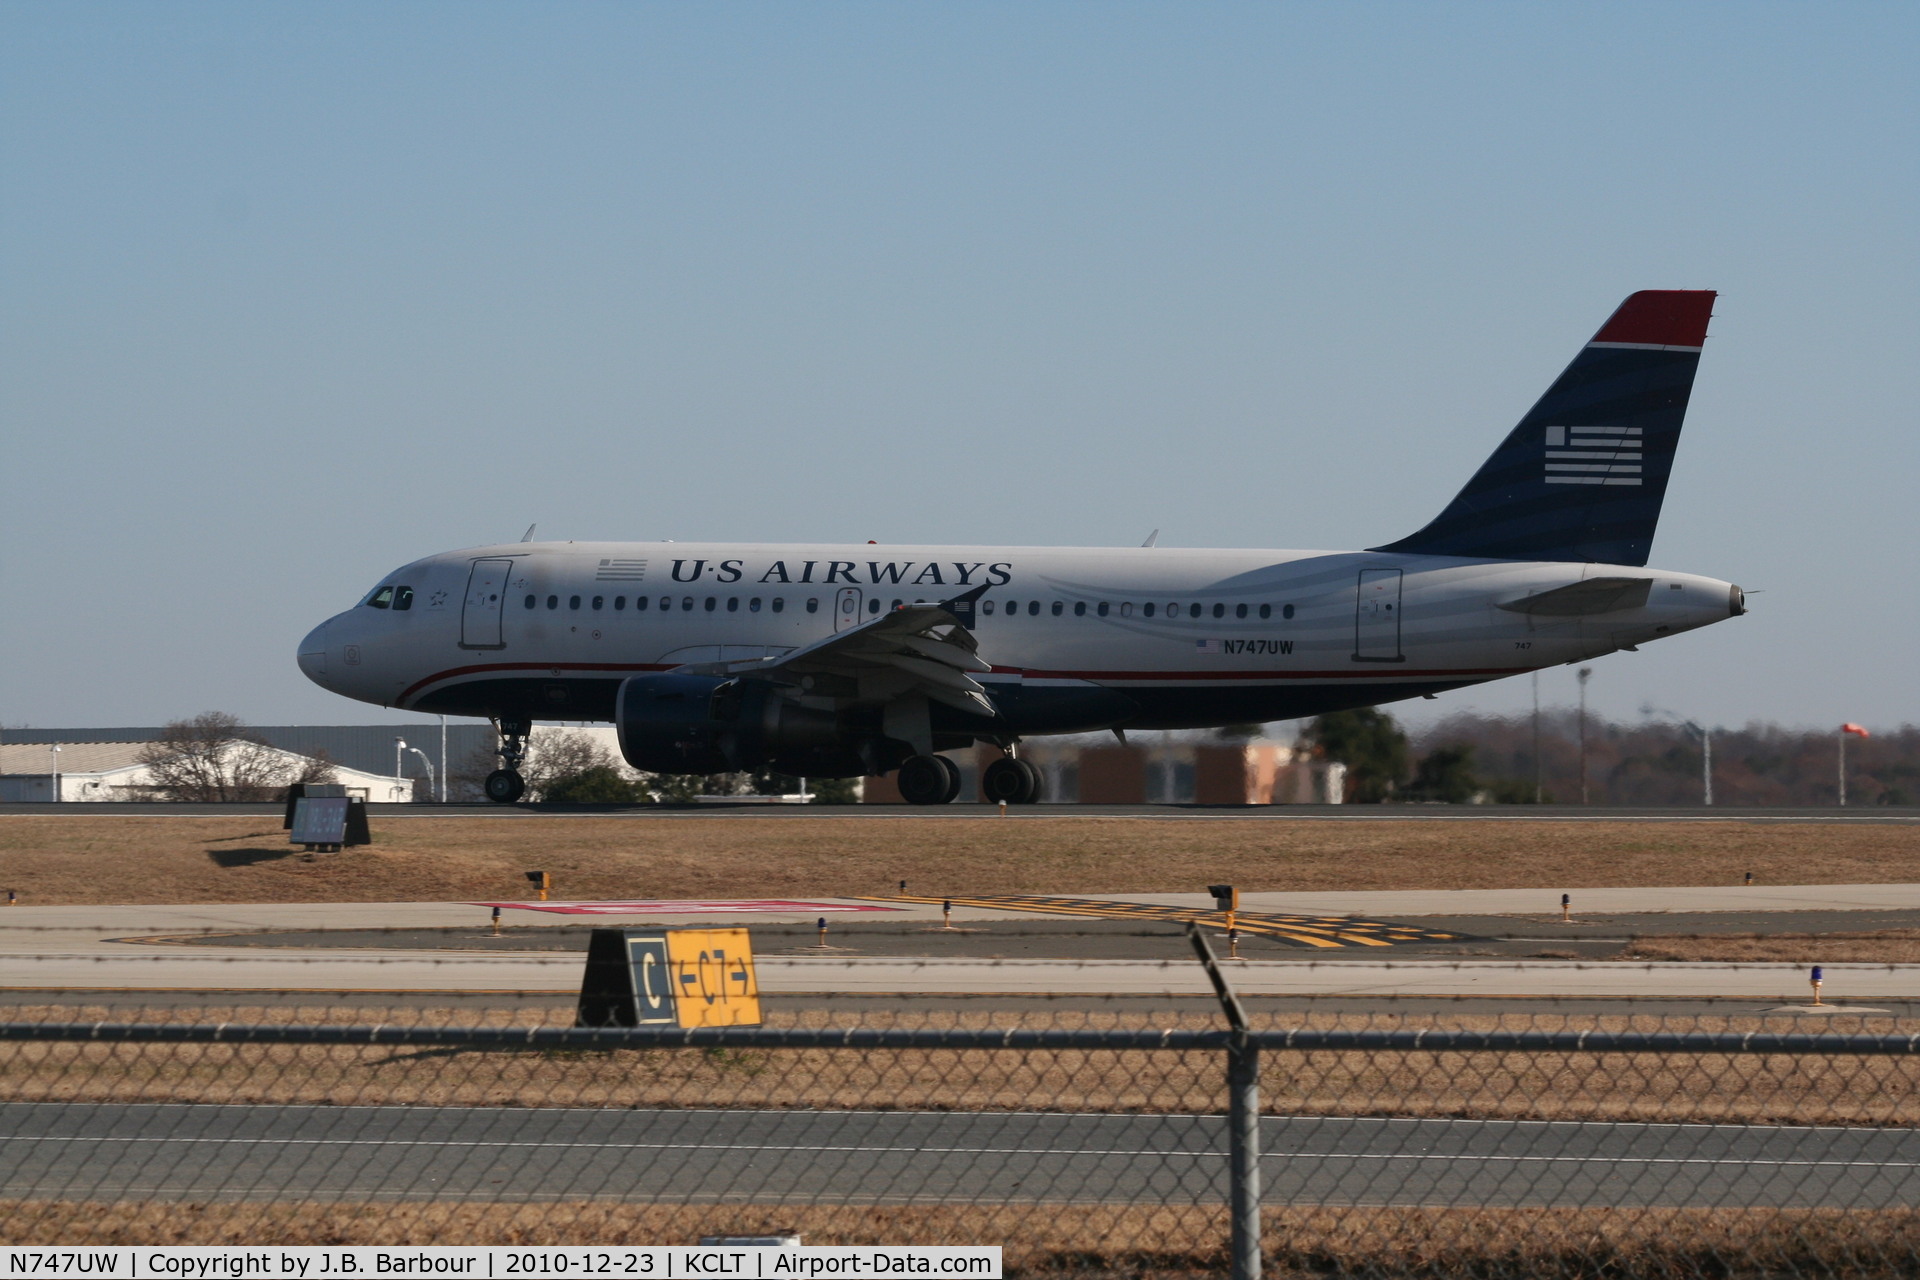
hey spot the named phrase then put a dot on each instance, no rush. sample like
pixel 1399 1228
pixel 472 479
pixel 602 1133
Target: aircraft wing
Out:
pixel 924 648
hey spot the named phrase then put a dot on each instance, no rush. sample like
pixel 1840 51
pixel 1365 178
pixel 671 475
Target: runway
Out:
pixel 192 969
pixel 1135 949
pixel 862 1157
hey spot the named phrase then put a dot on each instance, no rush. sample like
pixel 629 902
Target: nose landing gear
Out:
pixel 505 785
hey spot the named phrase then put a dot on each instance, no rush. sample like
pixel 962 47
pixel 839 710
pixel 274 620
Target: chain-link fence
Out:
pixel 1084 1134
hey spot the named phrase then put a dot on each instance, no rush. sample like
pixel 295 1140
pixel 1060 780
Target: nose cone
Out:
pixel 313 655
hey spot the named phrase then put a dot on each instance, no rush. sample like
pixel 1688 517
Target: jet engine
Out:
pixel 715 724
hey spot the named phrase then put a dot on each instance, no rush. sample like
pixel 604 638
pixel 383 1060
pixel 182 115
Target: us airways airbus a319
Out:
pixel 834 661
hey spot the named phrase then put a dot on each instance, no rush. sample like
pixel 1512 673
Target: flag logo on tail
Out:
pixel 1593 455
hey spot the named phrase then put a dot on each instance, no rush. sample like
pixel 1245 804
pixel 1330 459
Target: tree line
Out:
pixel 1469 758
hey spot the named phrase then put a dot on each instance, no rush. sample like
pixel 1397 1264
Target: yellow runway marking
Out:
pixel 1299 931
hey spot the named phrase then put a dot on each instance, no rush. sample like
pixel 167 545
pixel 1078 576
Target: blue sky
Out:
pixel 291 294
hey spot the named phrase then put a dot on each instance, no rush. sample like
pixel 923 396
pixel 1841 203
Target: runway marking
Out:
pixel 1294 930
pixel 1441 1157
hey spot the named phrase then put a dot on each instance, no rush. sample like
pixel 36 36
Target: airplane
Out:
pixel 827 660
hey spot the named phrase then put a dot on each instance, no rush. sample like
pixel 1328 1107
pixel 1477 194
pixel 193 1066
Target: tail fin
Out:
pixel 1583 475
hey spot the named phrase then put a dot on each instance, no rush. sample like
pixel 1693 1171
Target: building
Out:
pixel 101 771
pixel 1099 769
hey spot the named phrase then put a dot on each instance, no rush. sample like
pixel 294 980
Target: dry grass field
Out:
pixel 122 859
pixel 1879 946
pixel 1673 1088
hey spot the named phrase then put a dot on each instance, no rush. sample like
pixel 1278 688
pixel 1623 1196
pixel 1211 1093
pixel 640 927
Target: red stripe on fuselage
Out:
pixel 1376 671
pixel 555 667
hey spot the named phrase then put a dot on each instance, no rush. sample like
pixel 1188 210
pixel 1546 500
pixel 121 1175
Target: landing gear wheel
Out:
pixel 952 792
pixel 928 780
pixel 504 786
pixel 1010 781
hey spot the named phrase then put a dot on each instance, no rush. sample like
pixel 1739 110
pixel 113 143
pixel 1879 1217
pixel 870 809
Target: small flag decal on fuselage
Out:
pixel 621 571
pixel 1593 455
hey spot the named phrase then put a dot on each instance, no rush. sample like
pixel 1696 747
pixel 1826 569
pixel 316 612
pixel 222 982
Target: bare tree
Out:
pixel 214 758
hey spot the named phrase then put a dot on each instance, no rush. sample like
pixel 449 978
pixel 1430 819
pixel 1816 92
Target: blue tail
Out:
pixel 1583 475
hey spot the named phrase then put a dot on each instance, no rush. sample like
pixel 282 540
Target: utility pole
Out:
pixel 1845 729
pixel 1537 790
pixel 1706 765
pixel 1586 673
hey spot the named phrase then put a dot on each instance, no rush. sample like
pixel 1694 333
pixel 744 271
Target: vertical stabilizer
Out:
pixel 1583 475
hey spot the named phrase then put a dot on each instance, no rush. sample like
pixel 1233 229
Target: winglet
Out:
pixel 961 606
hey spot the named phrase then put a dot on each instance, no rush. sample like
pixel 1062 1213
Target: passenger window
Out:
pixel 1080 608
pixel 619 603
pixel 1126 609
pixel 1287 612
pixel 530 602
pixel 1101 609
pixel 986 607
pixel 686 603
pixel 813 605
pixel 403 597
pixel 1239 611
pixel 1220 611
pixel 733 604
pixel 599 602
pixel 553 602
pixel 753 605
pixel 1146 609
pixel 640 604
pixel 1013 607
pixel 573 602
pixel 1058 607
pixel 779 603
pixel 666 604
pixel 712 603
pixel 873 605
pixel 381 599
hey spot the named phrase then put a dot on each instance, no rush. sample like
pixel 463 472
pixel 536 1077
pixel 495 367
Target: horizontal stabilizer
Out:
pixel 1582 599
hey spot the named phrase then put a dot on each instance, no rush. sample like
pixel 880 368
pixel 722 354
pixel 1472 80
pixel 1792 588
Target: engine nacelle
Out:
pixel 715 724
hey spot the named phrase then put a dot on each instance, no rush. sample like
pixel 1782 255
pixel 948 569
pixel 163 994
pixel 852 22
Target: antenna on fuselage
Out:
pixel 528 535
pixel 1151 538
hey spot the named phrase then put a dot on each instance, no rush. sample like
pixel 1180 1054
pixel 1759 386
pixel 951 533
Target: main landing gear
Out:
pixel 936 780
pixel 1009 780
pixel 928 780
pixel 505 785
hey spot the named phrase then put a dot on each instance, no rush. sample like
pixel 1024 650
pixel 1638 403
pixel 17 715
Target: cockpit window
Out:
pixel 403 597
pixel 382 597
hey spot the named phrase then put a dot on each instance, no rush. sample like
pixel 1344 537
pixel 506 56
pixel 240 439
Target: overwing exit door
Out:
pixel 846 608
pixel 486 601
pixel 1376 619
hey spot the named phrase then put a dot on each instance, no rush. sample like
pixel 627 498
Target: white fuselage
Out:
pixel 1191 638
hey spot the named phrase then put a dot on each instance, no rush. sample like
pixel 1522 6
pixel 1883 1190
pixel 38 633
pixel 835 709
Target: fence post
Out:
pixel 1243 1118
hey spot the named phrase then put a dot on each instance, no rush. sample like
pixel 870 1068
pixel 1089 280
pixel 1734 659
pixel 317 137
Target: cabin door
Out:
pixel 486 601
pixel 1376 620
